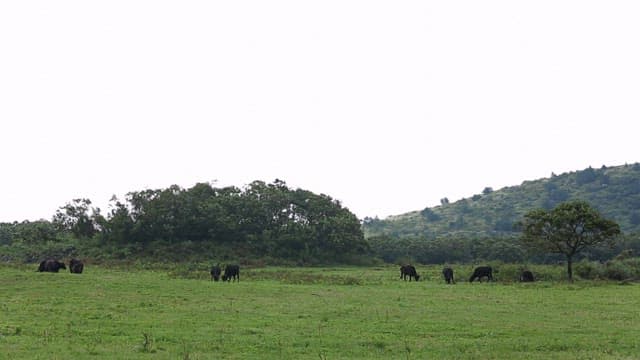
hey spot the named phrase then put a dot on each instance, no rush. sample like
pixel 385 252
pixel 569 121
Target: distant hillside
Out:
pixel 614 191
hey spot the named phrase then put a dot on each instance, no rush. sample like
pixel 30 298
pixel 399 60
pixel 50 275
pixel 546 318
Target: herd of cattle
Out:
pixel 232 271
pixel 409 272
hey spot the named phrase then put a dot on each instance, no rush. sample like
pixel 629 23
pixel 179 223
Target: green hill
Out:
pixel 614 191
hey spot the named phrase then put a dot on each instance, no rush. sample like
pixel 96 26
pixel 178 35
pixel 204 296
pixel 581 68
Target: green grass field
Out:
pixel 301 313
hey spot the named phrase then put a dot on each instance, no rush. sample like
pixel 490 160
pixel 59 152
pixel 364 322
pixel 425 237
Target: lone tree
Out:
pixel 567 229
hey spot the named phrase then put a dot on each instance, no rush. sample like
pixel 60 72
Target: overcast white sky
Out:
pixel 388 106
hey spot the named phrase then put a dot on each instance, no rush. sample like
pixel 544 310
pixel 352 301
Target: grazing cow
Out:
pixel 480 272
pixel 408 271
pixel 448 275
pixel 76 266
pixel 231 272
pixel 526 276
pixel 51 265
pixel 215 272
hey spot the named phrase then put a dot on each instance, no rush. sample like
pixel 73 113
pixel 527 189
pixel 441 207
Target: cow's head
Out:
pixel 417 277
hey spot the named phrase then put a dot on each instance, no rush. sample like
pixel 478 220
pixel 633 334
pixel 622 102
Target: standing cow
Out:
pixel 526 276
pixel 231 272
pixel 408 271
pixel 215 272
pixel 448 275
pixel 51 265
pixel 480 272
pixel 76 266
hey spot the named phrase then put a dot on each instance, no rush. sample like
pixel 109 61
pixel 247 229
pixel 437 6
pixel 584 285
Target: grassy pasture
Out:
pixel 302 313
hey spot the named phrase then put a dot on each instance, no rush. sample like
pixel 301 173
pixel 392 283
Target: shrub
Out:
pixel 618 270
pixel 588 270
pixel 506 272
pixel 634 265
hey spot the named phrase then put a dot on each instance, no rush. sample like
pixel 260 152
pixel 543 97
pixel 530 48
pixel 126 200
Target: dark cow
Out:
pixel 408 271
pixel 526 276
pixel 51 265
pixel 448 275
pixel 231 272
pixel 76 266
pixel 480 272
pixel 215 272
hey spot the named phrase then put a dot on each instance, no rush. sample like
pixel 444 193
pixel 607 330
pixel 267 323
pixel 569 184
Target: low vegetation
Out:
pixel 176 312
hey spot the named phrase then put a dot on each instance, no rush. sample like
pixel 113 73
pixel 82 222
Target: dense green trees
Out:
pixel 271 220
pixel 573 230
pixel 75 218
pixel 450 249
pixel 28 232
pixel 613 190
pixel 259 220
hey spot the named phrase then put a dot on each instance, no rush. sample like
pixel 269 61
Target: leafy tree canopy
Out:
pixel 568 229
pixel 258 220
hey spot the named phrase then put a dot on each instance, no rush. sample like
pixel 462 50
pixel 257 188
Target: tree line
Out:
pixel 274 221
pixel 260 219
pixel 571 230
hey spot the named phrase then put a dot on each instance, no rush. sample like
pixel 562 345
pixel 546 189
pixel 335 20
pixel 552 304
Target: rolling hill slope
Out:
pixel 614 191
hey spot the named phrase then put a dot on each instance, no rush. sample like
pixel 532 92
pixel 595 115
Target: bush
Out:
pixel 634 265
pixel 627 269
pixel 618 270
pixel 588 270
pixel 28 253
pixel 506 272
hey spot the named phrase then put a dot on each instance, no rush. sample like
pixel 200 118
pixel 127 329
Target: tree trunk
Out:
pixel 569 268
